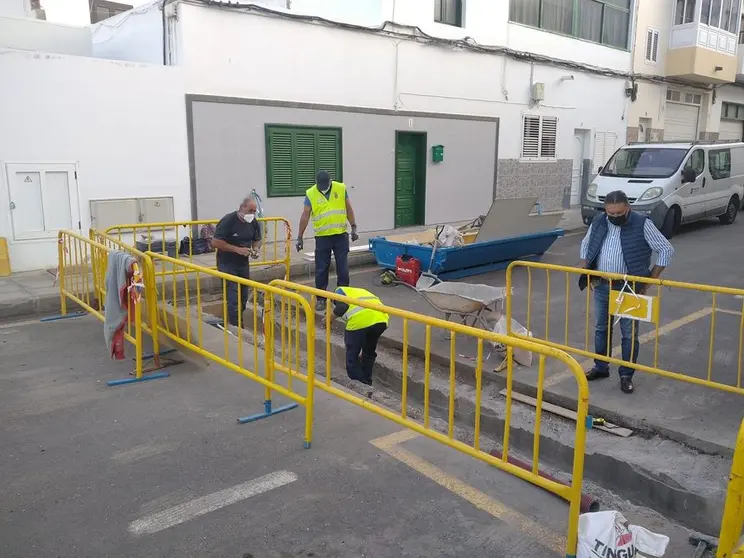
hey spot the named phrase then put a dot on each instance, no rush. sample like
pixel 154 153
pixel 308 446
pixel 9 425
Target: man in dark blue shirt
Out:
pixel 237 238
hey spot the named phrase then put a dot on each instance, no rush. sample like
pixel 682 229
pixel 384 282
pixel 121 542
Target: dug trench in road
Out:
pixel 650 471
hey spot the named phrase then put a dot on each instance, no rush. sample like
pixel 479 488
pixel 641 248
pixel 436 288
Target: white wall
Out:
pixel 33 34
pixel 125 144
pixel 487 22
pixel 350 68
pixel 135 35
pixel 13 8
pixel 72 12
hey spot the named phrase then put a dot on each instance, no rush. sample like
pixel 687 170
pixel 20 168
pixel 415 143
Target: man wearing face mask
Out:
pixel 620 241
pixel 237 238
pixel 328 204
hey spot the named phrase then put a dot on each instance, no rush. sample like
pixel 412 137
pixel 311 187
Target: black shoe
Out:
pixel 626 385
pixel 597 374
pixel 320 306
pixel 367 382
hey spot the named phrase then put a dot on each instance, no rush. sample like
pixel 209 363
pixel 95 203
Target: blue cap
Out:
pixel 323 180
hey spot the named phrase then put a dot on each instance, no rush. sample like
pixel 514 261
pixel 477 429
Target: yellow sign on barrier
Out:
pixel 410 320
pixel 625 304
pixel 732 523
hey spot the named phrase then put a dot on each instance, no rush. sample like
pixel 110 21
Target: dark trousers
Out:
pixel 324 245
pixel 233 309
pixel 362 341
pixel 603 333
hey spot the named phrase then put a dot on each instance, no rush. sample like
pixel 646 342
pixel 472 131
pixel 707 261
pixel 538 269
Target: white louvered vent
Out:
pixel 539 137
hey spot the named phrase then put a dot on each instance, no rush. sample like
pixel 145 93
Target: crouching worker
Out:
pixel 364 326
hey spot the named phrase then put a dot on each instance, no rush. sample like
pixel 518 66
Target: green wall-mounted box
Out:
pixel 437 153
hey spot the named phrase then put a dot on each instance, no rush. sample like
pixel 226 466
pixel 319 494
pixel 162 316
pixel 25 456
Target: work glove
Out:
pixel 300 244
pixel 354 235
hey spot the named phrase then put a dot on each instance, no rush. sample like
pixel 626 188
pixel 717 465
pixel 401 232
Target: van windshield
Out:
pixel 644 162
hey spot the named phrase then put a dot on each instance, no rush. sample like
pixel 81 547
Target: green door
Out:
pixel 409 178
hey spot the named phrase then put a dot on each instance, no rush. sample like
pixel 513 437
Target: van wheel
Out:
pixel 732 211
pixel 671 222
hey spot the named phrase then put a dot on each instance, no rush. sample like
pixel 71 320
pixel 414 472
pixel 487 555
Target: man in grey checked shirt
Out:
pixel 620 241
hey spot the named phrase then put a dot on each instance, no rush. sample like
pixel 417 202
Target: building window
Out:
pixel 722 14
pixel 600 21
pixel 677 96
pixel 652 46
pixel 732 111
pixel 449 12
pixel 294 154
pixel 685 12
pixel 539 137
pixel 719 163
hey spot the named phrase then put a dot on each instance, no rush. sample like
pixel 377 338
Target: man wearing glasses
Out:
pixel 237 238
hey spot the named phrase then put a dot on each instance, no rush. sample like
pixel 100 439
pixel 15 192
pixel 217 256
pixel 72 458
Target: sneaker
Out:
pixel 320 306
pixel 626 385
pixel 597 374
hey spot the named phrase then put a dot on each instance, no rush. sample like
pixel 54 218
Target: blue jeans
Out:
pixel 324 245
pixel 233 311
pixel 628 328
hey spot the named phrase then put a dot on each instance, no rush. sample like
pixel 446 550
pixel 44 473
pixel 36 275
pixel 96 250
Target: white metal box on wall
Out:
pixel 123 211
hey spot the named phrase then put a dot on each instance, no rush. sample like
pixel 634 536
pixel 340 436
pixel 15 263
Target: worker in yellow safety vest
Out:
pixel 328 203
pixel 364 326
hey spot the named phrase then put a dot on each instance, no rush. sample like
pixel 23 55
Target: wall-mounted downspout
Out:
pixel 165 35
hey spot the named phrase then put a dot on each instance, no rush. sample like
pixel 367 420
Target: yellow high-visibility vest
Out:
pixel 329 215
pixel 357 317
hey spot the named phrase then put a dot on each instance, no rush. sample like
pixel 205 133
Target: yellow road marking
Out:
pixel 390 444
pixel 645 338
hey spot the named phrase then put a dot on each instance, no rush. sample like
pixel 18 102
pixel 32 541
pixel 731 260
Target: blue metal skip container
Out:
pixel 470 259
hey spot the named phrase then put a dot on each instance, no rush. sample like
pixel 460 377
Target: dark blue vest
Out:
pixel 636 251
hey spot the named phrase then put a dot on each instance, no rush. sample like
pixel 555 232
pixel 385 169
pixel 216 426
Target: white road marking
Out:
pixel 209 503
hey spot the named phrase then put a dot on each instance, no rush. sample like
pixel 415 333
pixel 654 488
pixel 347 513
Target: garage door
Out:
pixel 680 122
pixel 731 130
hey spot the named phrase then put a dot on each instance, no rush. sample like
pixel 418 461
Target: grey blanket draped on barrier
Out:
pixel 116 311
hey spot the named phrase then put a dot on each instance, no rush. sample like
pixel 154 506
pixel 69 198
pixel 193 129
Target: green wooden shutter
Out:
pixel 328 153
pixel 279 162
pixel 305 163
pixel 295 154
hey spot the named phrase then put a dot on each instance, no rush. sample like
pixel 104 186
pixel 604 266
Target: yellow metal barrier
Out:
pixel 570 493
pixel 560 329
pixel 730 543
pixel 82 273
pixel 156 237
pixel 182 318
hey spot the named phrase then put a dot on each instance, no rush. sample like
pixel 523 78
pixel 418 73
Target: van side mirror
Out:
pixel 599 170
pixel 688 175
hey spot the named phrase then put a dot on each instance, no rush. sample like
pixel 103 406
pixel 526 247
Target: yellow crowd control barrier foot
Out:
pixel 268 412
pixel 63 317
pixel 124 381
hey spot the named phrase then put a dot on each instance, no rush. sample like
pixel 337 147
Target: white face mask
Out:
pixel 249 217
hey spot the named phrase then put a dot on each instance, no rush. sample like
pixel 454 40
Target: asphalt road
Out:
pixel 162 469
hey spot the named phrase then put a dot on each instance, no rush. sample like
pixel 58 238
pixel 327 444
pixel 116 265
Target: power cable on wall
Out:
pixel 414 33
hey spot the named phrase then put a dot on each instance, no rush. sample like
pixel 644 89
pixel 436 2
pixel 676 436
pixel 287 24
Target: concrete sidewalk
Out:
pixel 33 293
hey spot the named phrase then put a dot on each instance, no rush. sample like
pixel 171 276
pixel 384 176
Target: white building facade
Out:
pixel 427 109
pixel 689 59
pixel 516 99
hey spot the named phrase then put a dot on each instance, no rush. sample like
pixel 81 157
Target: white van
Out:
pixel 673 183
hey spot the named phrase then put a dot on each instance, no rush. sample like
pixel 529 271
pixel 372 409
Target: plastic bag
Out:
pixel 450 236
pixel 607 534
pixel 522 356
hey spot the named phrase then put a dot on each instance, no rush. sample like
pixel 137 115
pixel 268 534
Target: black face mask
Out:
pixel 618 220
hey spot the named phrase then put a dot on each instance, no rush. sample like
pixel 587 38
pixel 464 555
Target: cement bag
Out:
pixel 522 356
pixel 607 534
pixel 450 236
